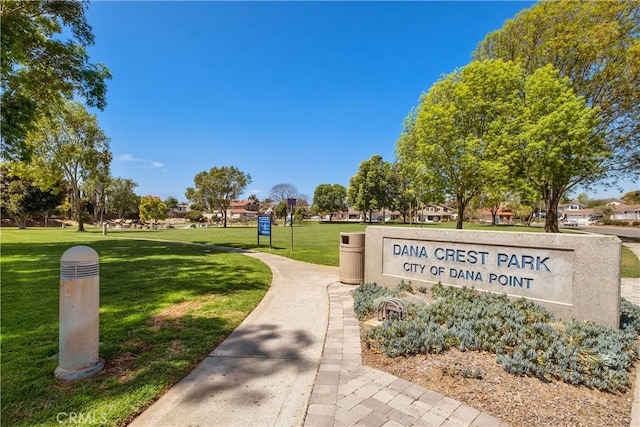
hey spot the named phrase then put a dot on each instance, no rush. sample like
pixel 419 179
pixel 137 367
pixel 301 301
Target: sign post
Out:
pixel 291 203
pixel 264 227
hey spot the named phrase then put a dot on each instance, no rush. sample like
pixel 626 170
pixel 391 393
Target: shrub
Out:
pixel 629 316
pixel 365 297
pixel 525 337
pixel 615 222
pixel 405 287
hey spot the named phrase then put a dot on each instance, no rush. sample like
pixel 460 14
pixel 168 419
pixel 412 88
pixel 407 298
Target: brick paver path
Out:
pixel 348 394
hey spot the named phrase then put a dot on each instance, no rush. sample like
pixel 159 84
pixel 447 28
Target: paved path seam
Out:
pixel 346 393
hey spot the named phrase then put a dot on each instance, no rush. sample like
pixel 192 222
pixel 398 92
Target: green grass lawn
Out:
pixel 163 306
pixel 313 242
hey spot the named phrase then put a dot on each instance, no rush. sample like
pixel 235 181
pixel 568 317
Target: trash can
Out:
pixel 352 258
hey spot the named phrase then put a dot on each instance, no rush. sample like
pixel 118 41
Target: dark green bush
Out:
pixel 524 336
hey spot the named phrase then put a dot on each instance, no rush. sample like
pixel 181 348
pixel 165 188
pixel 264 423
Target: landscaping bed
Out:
pixel 568 374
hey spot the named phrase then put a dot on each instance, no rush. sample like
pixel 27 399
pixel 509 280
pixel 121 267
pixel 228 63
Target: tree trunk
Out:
pixel 77 204
pixel 21 220
pixel 494 214
pixel 461 208
pixel 551 200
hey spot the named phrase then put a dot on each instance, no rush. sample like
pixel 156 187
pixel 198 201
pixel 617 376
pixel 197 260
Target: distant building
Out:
pixel 180 211
pixel 434 213
pixel 615 202
pixel 626 213
pixel 242 211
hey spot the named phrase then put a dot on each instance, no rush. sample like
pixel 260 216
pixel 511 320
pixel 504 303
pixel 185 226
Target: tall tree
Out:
pixel 557 147
pixel 172 205
pixel 95 190
pixel 632 197
pixel 329 199
pixel 283 191
pixel 493 200
pixel 152 208
pixel 596 45
pixel 121 198
pixel 453 140
pixel 69 143
pixel 414 185
pixel 490 123
pixel 43 58
pixel 22 198
pixel 368 190
pixel 217 188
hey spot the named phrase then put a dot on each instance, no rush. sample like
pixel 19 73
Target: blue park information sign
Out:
pixel 264 225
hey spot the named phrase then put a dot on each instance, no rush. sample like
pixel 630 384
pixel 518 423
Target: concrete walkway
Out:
pixel 263 373
pixel 295 360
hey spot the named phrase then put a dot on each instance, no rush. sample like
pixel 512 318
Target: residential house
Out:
pixel 434 213
pixel 615 203
pixel 504 215
pixel 626 213
pixel 180 211
pixel 242 211
pixel 575 210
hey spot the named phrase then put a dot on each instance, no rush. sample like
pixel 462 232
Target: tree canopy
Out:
pixel 632 197
pixel 596 45
pixel 369 188
pixel 557 146
pixel 39 65
pixel 121 197
pixel 217 188
pixel 70 143
pixel 21 197
pixel 460 123
pixel 329 199
pixel 489 127
pixel 152 208
pixel 282 192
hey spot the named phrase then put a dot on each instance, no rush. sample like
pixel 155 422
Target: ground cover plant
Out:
pixel 525 337
pixel 163 307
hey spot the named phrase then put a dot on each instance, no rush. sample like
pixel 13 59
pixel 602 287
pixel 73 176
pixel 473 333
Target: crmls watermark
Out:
pixel 81 418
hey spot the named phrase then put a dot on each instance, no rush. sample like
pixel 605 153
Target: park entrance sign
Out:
pixel 574 276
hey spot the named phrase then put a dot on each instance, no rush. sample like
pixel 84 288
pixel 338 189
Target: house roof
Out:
pixel 627 208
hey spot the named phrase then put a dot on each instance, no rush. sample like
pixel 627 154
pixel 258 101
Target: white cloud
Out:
pixel 127 158
pixel 142 163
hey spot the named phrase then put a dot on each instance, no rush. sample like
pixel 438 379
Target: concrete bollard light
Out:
pixel 79 323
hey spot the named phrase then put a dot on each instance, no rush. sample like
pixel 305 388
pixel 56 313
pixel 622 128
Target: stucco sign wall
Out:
pixel 575 276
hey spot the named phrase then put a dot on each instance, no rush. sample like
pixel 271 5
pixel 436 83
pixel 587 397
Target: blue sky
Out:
pixel 289 92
